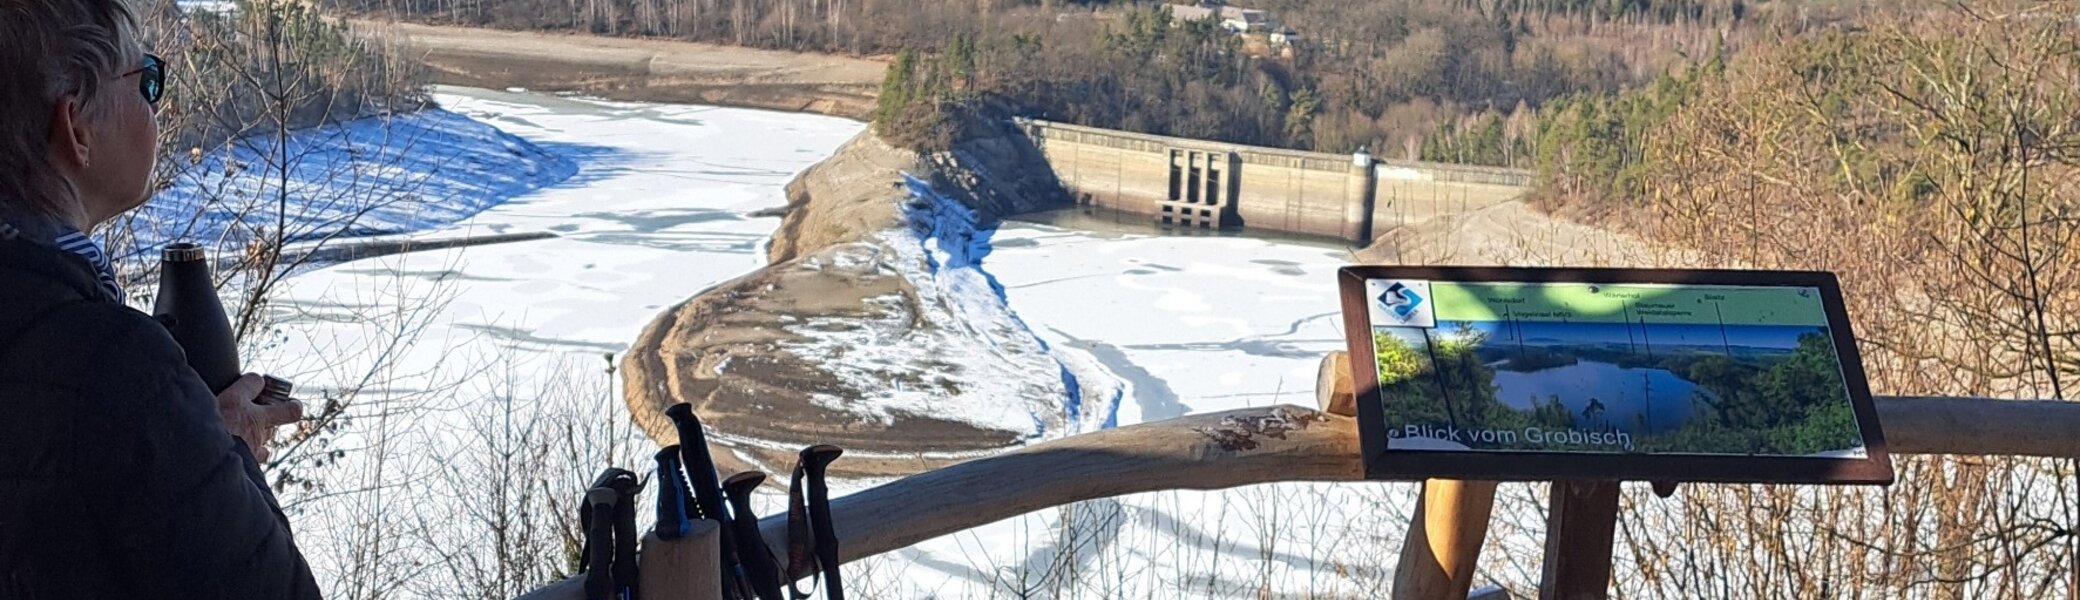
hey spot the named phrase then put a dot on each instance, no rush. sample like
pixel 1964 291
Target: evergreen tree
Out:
pixel 896 87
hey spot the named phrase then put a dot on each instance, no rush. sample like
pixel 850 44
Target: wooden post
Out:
pixel 683 569
pixel 1444 540
pixel 1443 546
pixel 1333 391
pixel 688 568
pixel 1580 527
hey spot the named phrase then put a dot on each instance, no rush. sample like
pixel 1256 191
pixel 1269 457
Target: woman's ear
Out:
pixel 70 138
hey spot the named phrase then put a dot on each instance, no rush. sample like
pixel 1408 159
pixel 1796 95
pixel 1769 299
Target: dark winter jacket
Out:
pixel 117 478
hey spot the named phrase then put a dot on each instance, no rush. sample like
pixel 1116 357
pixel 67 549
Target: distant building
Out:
pixel 1181 12
pixel 1244 20
pixel 1236 19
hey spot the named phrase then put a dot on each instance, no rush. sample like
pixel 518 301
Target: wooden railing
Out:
pixel 1285 443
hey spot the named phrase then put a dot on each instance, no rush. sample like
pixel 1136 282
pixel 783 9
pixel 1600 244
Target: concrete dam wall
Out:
pixel 1182 182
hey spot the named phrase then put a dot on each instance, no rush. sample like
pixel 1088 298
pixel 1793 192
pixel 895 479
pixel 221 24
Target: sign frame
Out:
pixel 1874 468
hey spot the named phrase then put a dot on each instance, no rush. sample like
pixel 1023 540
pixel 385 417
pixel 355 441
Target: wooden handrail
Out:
pixel 1292 443
pixel 1197 452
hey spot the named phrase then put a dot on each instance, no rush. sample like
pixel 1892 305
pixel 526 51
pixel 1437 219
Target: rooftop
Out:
pixel 1194 12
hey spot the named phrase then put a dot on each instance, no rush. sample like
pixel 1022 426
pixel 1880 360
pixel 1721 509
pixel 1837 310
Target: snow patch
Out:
pixel 972 360
pixel 377 175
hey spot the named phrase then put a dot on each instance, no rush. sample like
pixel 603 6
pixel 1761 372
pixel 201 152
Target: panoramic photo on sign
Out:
pixel 1507 362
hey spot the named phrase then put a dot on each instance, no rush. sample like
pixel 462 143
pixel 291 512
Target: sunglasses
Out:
pixel 151 79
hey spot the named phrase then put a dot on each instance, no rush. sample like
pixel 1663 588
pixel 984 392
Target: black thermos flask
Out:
pixel 189 306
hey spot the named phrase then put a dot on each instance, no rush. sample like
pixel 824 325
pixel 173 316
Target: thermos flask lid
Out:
pixel 276 388
pixel 181 252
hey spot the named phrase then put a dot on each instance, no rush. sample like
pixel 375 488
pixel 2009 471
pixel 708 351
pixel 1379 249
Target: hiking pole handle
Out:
pixel 759 564
pixel 599 543
pixel 625 536
pixel 707 491
pixel 672 496
pixel 816 460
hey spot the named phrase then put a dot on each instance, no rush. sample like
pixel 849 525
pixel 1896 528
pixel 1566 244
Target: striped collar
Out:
pixel 71 240
pixel 51 232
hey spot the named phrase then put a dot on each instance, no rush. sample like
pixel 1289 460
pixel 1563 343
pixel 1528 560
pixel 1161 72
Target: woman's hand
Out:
pixel 252 421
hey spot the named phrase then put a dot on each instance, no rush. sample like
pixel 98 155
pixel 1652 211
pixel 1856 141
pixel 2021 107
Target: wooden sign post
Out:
pixel 1580 522
pixel 1443 545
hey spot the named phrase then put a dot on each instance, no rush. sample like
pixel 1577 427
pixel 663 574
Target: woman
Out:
pixel 121 475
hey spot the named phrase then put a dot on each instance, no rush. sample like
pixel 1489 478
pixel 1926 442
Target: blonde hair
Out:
pixel 50 49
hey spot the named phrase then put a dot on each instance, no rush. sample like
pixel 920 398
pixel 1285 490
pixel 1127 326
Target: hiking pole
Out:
pixel 672 522
pixel 751 549
pixel 707 492
pixel 599 543
pixel 622 567
pixel 816 460
pixel 801 561
pixel 626 488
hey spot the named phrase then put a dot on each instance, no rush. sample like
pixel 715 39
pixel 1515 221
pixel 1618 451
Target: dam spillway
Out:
pixel 1199 184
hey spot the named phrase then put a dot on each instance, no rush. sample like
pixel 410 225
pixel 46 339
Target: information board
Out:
pixel 1516 374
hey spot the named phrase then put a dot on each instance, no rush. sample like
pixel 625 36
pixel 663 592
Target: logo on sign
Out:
pixel 1401 301
pixel 1405 303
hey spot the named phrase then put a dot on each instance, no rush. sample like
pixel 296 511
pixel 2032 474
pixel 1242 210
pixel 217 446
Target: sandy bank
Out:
pixel 847 319
pixel 645 70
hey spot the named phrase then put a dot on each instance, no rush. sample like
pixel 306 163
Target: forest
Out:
pixel 1929 161
pixel 1452 80
pixel 1455 82
pixel 267 68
